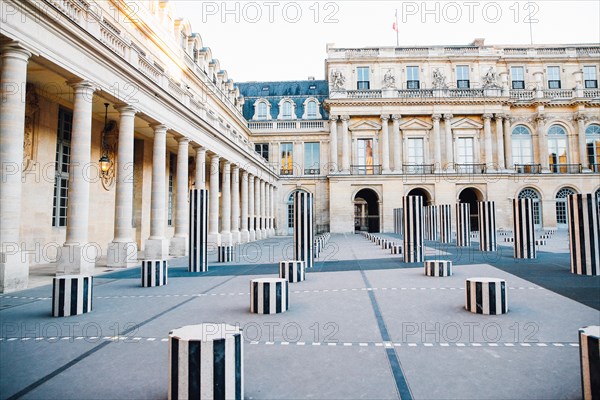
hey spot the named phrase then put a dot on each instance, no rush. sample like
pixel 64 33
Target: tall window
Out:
pixel 365 156
pixel 589 77
pixel 171 174
pixel 416 151
pixel 529 193
pixel 521 147
pixel 311 109
pixel 261 110
pixel 465 154
pixel 412 78
pixel 592 139
pixel 517 75
pixel 262 149
pixel 561 205
pixel 286 110
pixel 287 158
pixel 557 149
pixel 553 77
pixel 61 172
pixel 362 80
pixel 312 155
pixel 462 77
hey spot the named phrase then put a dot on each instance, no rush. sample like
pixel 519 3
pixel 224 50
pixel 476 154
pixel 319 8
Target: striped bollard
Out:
pixel 72 295
pixel 584 234
pixel 589 356
pixel 198 258
pixel 154 273
pixel 463 225
pixel 396 249
pixel 487 225
pixel 303 228
pixel 206 361
pixel 413 229
pixel 438 268
pixel 523 228
pixel 292 271
pixel 225 254
pixel 269 296
pixel 431 227
pixel 445 223
pixel 486 296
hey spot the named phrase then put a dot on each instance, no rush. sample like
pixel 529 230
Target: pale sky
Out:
pixel 286 40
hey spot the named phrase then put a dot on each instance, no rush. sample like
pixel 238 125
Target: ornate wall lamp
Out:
pixel 107 166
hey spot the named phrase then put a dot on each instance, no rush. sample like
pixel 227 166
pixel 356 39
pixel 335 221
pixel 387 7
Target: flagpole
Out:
pixel 397 30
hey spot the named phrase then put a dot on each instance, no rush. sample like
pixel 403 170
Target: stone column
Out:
pixel 235 204
pixel 543 144
pixel 244 233
pixel 251 201
pixel 333 149
pixel 345 145
pixel 179 243
pixel 263 207
pixel 508 144
pixel 157 246
pixel 257 205
pixel 213 203
pixel 76 256
pixel 272 212
pixel 385 144
pixel 397 143
pixel 437 142
pixel 122 251
pixel 14 265
pixel 449 143
pixel 583 160
pixel 500 142
pixel 487 134
pixel 226 205
pixel 200 168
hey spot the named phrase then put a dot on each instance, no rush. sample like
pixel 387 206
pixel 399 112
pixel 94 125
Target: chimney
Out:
pixel 479 42
pixel 311 78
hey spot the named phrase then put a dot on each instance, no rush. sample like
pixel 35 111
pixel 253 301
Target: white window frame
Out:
pixel 256 116
pixel 514 76
pixel 292 105
pixel 306 104
pixel 592 78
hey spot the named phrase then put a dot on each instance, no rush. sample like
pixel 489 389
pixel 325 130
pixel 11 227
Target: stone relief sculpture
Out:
pixel 490 79
pixel 337 80
pixel 439 80
pixel 389 81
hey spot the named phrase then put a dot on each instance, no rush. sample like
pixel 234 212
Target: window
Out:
pixel 311 109
pixel 517 75
pixel 416 154
pixel 522 152
pixel 312 156
pixel 61 171
pixel 286 110
pixel 287 158
pixel 553 77
pixel 561 205
pixel 365 156
pixel 592 140
pixel 261 110
pixel 412 78
pixel 171 173
pixel 262 149
pixel 465 154
pixel 462 77
pixel 363 82
pixel 589 77
pixel 557 149
pixel 529 193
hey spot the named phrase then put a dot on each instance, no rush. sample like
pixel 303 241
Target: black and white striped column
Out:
pixel 486 296
pixel 72 295
pixel 206 361
pixel 589 356
pixel 269 296
pixel 431 223
pixel 523 228
pixel 398 221
pixel 445 223
pixel 225 253
pixel 463 225
pixel 154 273
pixel 413 228
pixel 396 249
pixel 303 228
pixel 292 271
pixel 487 225
pixel 438 268
pixel 584 234
pixel 198 259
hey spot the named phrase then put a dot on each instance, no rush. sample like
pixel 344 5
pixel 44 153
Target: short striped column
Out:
pixel 413 229
pixel 303 228
pixel 589 356
pixel 72 295
pixel 445 223
pixel 509 240
pixel 206 361
pixel 225 254
pixel 486 296
pixel 198 258
pixel 523 228
pixel 438 268
pixel 540 242
pixel 431 218
pixel 292 271
pixel 269 296
pixel 396 249
pixel 154 273
pixel 584 234
pixel 487 225
pixel 463 225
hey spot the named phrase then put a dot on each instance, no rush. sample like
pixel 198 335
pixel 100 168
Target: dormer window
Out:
pixel 261 110
pixel 287 109
pixel 311 109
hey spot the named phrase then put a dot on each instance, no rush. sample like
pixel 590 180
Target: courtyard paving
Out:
pixel 363 325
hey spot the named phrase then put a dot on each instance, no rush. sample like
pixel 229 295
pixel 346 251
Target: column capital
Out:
pixel 540 118
pixel 385 117
pixel 396 117
pixel 125 109
pixel 215 157
pixel 448 117
pixel 200 149
pixel 580 117
pixel 333 117
pixel 159 128
pixel 436 117
pixel 345 118
pixel 183 140
pixel 77 84
pixel 15 50
pixel 499 116
pixel 244 173
pixel 487 116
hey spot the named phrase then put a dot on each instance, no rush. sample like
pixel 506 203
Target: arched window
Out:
pixel 522 152
pixel 286 110
pixel 557 149
pixel 529 193
pixel 261 111
pixel 592 140
pixel 311 110
pixel 561 205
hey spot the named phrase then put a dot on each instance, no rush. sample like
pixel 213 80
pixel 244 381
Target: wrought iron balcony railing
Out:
pixel 418 169
pixel 365 169
pixel 470 168
pixel 312 171
pixel 528 168
pixel 565 168
pixel 595 168
pixel 288 172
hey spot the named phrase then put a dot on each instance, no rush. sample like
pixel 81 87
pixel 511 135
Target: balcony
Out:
pixel 595 168
pixel 278 126
pixel 286 172
pixel 565 168
pixel 470 168
pixel 365 169
pixel 528 168
pixel 312 171
pixel 418 169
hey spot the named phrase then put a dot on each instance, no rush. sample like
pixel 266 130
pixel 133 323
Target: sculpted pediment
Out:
pixel 416 124
pixel 466 123
pixel 365 125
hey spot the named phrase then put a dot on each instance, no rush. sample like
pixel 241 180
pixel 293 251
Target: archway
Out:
pixel 366 211
pixel 472 196
pixel 423 193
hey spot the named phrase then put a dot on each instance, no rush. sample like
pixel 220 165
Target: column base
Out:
pixel 257 235
pixel 14 271
pixel 226 239
pixel 156 249
pixel 244 236
pixel 236 237
pixel 272 232
pixel 264 234
pixel 251 236
pixel 214 239
pixel 121 255
pixel 179 246
pixel 77 260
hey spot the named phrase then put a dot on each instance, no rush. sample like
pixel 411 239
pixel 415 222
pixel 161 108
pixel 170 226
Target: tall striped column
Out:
pixel 523 228
pixel 589 356
pixel 431 216
pixel 413 229
pixel 445 223
pixel 395 220
pixel 487 225
pixel 303 228
pixel 198 237
pixel 584 234
pixel 463 225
